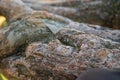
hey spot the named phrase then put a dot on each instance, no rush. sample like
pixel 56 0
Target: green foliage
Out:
pixel 2 77
pixel 112 9
pixel 5 24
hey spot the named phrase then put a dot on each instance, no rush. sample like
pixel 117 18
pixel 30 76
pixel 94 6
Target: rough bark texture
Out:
pixel 56 61
pixel 102 12
pixel 57 47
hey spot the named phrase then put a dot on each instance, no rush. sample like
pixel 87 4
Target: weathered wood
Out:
pixel 77 48
pixel 26 24
pixel 11 8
